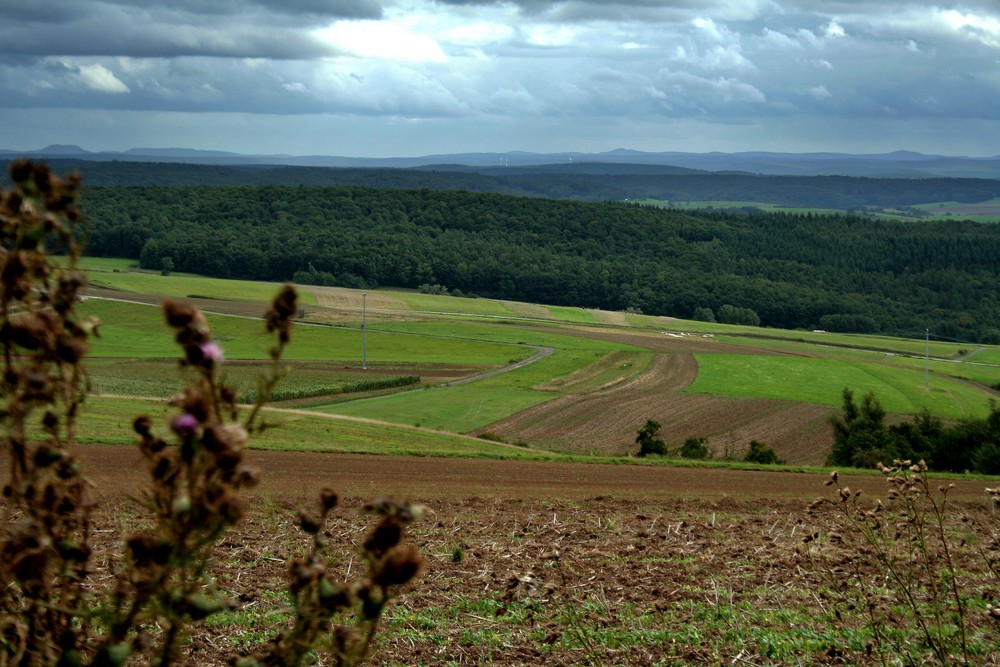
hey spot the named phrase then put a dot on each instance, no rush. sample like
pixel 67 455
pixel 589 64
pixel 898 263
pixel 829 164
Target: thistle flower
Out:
pixel 211 352
pixel 185 425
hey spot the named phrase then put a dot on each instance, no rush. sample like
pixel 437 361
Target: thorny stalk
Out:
pixel 50 613
pixel 908 541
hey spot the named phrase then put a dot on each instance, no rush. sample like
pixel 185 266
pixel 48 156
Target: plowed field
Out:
pixel 606 420
pixel 540 563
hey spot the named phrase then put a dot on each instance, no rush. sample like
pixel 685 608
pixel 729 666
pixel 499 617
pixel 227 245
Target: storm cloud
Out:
pixel 398 77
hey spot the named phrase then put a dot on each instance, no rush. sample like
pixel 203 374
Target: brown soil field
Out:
pixel 660 565
pixel 606 420
pixel 116 469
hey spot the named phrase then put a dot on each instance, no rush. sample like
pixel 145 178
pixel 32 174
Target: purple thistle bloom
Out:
pixel 185 425
pixel 211 351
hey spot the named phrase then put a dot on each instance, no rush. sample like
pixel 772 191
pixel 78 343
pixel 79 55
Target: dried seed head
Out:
pixel 143 425
pixel 308 524
pixel 328 499
pixel 283 309
pixel 385 536
pixel 401 564
pixel 180 314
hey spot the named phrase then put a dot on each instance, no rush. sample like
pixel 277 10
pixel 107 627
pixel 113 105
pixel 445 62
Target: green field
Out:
pixel 567 314
pixel 986 211
pixel 109 421
pixel 821 381
pixel 135 357
pixel 985 374
pixel 914 346
pixel 728 204
pixel 162 378
pixel 134 330
pixel 435 303
pixel 989 355
pixel 466 407
pixel 116 274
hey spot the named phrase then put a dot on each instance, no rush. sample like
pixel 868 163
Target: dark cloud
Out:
pixel 649 69
pixel 138 28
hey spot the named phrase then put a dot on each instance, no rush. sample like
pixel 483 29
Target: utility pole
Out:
pixel 364 331
pixel 927 357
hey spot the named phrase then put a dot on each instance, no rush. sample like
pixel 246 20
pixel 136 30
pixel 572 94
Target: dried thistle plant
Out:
pixel 904 566
pixel 50 611
pixel 44 556
pixel 343 615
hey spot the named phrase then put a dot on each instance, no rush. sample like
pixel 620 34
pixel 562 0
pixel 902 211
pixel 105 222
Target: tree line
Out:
pixel 579 181
pixel 862 438
pixel 839 273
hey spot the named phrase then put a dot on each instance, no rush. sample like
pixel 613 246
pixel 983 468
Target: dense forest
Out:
pixel 579 181
pixel 797 271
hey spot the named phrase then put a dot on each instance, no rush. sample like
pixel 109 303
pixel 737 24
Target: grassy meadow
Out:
pixel 121 274
pixel 466 407
pixel 446 337
pixel 986 211
pixel 820 380
pixel 138 330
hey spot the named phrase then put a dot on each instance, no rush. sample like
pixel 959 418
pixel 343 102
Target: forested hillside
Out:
pixel 583 181
pixel 838 273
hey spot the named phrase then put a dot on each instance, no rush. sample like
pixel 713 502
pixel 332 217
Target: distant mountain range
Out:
pixel 899 164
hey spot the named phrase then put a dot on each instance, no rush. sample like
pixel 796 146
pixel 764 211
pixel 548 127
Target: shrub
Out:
pixel 648 443
pixel 761 453
pixel 695 448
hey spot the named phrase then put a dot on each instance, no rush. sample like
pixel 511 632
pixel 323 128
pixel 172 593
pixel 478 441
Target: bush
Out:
pixel 648 443
pixel 695 448
pixel 761 453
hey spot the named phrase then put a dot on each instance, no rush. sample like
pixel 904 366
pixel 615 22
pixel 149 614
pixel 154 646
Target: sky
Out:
pixel 382 78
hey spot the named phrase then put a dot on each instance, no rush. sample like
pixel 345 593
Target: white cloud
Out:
pixel 779 40
pixel 820 92
pixel 711 91
pixel 834 30
pixel 381 40
pixel 100 78
pixel 709 27
pixel 550 35
pixel 722 58
pixel 478 33
pixel 985 29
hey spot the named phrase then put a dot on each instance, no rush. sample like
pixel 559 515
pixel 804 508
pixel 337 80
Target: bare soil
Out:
pixel 520 556
pixel 607 420
pixel 116 469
